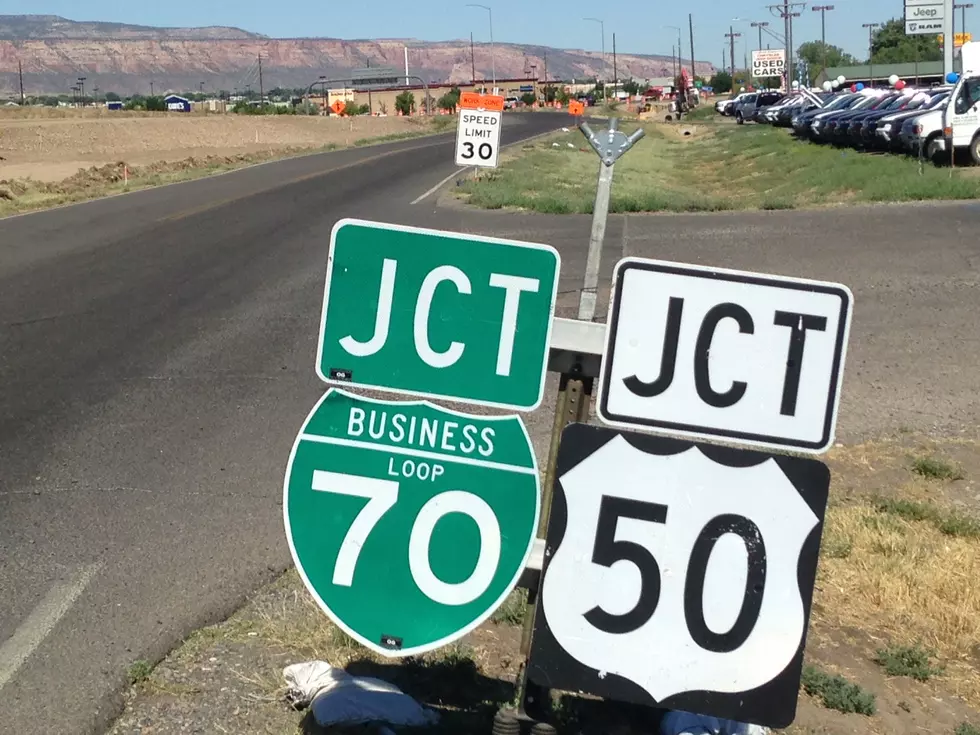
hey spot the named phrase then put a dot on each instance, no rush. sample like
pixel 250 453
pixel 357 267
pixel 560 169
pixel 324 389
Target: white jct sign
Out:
pixel 478 138
pixel 706 352
pixel 681 573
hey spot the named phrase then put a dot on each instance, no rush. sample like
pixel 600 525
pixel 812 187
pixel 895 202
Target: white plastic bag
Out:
pixel 687 723
pixel 335 697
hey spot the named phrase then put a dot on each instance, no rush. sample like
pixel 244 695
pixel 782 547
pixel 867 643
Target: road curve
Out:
pixel 156 359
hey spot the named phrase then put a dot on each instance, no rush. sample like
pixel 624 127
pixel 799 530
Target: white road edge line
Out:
pixel 32 632
pixel 438 186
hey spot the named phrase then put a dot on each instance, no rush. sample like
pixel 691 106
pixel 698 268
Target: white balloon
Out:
pixel 741 89
pixel 827 86
pixel 835 84
pixel 841 79
pixel 893 79
pixel 796 84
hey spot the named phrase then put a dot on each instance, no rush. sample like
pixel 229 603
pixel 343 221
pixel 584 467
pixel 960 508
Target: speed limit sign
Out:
pixel 478 132
pixel 679 575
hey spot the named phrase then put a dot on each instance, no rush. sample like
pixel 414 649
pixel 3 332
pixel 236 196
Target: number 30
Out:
pixel 607 551
pixel 485 151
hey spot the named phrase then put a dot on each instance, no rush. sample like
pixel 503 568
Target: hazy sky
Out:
pixel 638 25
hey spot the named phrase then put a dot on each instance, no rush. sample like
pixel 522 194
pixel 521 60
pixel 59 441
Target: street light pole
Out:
pixel 822 9
pixel 871 61
pixel 760 26
pixel 680 52
pixel 602 27
pixel 493 61
pixel 962 7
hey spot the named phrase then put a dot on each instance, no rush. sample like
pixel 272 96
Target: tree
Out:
pixel 563 96
pixel 112 97
pixel 890 45
pixel 155 104
pixel 405 103
pixel 631 87
pixel 815 52
pixel 529 98
pixel 721 82
pixel 450 100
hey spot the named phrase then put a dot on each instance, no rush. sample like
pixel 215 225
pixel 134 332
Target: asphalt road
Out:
pixel 156 361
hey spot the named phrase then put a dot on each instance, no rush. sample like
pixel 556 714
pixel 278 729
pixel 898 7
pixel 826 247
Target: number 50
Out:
pixel 607 551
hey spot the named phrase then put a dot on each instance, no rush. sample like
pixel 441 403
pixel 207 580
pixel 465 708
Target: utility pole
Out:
pixel 151 90
pixel 20 71
pixel 822 9
pixel 760 26
pixel 81 87
pixel 785 10
pixel 615 71
pixel 731 36
pixel 962 7
pixel 472 59
pixel 690 25
pixel 261 85
pixel 871 61
pixel 605 66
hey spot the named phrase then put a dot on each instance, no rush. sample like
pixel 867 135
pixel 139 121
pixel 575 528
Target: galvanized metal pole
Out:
pixel 600 212
pixel 949 41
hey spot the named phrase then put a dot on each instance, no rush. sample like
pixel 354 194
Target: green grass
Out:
pixel 720 167
pixel 951 523
pixel 139 671
pixel 967 729
pixel 936 469
pixel 911 661
pixel 513 609
pixel 836 692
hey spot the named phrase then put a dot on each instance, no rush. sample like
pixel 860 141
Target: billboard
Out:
pixel 768 63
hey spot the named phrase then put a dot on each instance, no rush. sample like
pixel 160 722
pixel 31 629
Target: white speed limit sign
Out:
pixel 679 575
pixel 478 132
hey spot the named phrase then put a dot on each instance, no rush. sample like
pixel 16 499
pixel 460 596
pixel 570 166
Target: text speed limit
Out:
pixel 478 138
pixel 768 63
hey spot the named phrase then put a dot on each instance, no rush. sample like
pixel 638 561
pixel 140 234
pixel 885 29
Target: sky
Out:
pixel 639 26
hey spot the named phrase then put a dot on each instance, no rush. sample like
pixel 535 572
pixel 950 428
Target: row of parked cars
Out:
pixel 909 120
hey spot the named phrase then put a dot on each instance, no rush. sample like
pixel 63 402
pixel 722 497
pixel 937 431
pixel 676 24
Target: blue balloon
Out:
pixel 860 86
pixel 952 77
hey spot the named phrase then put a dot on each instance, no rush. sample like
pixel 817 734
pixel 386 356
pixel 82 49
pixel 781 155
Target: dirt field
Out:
pixel 53 149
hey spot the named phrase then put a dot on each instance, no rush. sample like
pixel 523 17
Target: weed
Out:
pixel 836 547
pixel 513 609
pixel 936 469
pixel 967 729
pixel 139 671
pixel 836 692
pixel 950 523
pixel 910 661
pixel 910 510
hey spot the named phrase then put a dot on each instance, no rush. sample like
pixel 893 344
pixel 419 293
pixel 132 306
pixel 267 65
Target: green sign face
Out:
pixel 437 314
pixel 409 523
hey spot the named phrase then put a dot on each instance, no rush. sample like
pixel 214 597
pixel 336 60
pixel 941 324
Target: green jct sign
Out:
pixel 409 523
pixel 437 314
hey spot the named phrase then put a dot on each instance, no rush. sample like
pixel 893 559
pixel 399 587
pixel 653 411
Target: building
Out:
pixel 923 73
pixel 111 105
pixel 176 104
pixel 381 100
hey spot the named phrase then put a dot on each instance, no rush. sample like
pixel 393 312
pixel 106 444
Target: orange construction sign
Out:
pixel 338 107
pixel 576 108
pixel 477 101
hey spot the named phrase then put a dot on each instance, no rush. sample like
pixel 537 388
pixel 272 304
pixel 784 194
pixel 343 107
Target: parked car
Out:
pixel 925 134
pixel 804 122
pixel 887 129
pixel 728 106
pixel 750 109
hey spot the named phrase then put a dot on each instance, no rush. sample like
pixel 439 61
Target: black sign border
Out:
pixel 756 280
pixel 773 704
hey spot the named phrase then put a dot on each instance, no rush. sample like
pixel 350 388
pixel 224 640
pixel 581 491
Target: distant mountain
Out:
pixel 29 27
pixel 54 52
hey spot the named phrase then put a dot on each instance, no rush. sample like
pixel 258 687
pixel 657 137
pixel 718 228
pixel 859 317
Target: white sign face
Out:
pixel 478 138
pixel 714 353
pixel 923 28
pixel 768 63
pixel 704 555
pixel 924 13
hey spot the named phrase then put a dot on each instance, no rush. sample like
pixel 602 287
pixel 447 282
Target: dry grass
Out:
pixel 905 582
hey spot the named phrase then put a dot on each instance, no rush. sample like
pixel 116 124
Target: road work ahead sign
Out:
pixel 437 314
pixel 409 523
pixel 478 131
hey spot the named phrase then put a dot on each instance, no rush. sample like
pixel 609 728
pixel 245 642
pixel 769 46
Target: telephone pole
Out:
pixel 731 36
pixel 20 71
pixel 786 11
pixel 690 25
pixel 261 85
pixel 760 26
pixel 472 58
pixel 615 71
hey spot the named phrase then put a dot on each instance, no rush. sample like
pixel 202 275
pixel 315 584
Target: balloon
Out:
pixel 854 88
pixel 827 86
pixel 952 77
pixel 900 85
pixel 841 79
pixel 859 86
pixel 835 84
pixel 741 89
pixel 893 79
pixel 796 84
